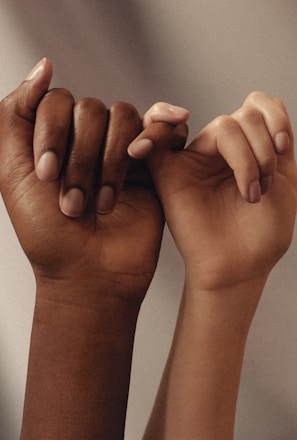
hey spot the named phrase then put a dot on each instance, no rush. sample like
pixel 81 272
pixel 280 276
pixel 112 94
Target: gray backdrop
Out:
pixel 206 56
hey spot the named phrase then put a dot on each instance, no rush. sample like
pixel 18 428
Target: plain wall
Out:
pixel 206 56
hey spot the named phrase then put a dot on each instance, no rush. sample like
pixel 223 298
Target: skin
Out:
pixel 230 202
pixel 214 186
pixel 217 173
pixel 92 269
pixel 218 304
pixel 222 176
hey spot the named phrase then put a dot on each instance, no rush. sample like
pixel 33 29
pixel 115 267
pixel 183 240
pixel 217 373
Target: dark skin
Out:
pixel 92 271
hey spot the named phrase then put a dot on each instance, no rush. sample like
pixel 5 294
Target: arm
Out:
pixel 231 208
pixel 86 307
pixel 198 393
pixel 90 278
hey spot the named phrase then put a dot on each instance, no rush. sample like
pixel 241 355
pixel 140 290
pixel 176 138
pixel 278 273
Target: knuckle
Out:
pixel 158 108
pixel 90 106
pixel 55 93
pixel 249 114
pixel 6 102
pixel 224 123
pixel 254 97
pixel 124 109
pixel 12 107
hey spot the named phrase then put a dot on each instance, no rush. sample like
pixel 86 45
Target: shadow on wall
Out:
pixel 8 428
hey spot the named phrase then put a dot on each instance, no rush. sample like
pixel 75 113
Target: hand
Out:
pixel 230 201
pixel 118 249
pixel 230 197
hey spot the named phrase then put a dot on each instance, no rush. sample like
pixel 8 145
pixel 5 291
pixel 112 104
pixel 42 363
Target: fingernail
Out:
pixel 265 183
pixel 282 142
pixel 178 111
pixel 47 168
pixel 72 203
pixel 105 200
pixel 140 148
pixel 254 192
pixel 36 69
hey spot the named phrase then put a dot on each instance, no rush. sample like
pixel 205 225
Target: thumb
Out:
pixel 17 116
pixel 23 101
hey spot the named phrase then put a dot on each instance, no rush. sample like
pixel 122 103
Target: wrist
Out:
pixel 63 307
pixel 215 271
pixel 80 361
pixel 231 305
pixel 90 291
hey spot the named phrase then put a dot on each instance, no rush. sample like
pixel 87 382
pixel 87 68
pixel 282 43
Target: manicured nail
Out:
pixel 72 203
pixel 47 168
pixel 105 200
pixel 282 142
pixel 254 192
pixel 140 148
pixel 265 183
pixel 36 69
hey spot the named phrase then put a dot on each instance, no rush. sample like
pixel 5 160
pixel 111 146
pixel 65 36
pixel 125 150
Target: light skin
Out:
pixel 92 269
pixel 230 202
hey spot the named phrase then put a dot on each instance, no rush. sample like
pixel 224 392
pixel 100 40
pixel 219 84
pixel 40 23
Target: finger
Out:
pixel 281 105
pixel 17 116
pixel 253 125
pixel 172 135
pixel 224 137
pixel 90 119
pixel 164 112
pixel 51 133
pixel 124 126
pixel 276 120
pixel 158 135
pixel 23 101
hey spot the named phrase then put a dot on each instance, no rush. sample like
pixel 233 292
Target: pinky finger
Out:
pixel 159 135
pixel 164 127
pixel 164 112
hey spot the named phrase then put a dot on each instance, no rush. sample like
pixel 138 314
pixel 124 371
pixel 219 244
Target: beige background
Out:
pixel 206 56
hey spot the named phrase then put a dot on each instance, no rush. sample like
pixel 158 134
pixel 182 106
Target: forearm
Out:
pixel 79 366
pixel 198 393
